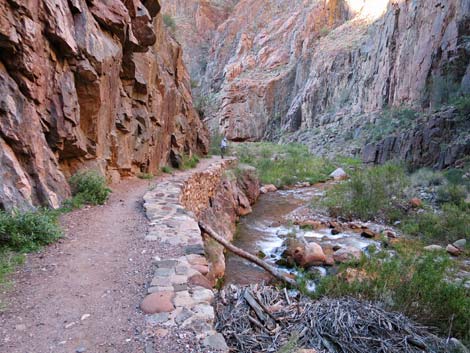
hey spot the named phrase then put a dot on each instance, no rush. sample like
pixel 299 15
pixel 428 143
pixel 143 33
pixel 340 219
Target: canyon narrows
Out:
pixel 208 176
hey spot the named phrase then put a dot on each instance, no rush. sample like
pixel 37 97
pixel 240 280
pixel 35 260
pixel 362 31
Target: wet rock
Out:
pixel 390 234
pixel 335 231
pixel 158 302
pixel 311 223
pixel 268 188
pixel 347 254
pixel 339 174
pixel 454 251
pixel 309 255
pixel 367 233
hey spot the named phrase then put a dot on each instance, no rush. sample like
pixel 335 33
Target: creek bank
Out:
pixel 285 231
pixel 180 293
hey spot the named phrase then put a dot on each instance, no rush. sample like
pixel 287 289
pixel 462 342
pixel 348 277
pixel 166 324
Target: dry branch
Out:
pixel 343 325
pixel 247 256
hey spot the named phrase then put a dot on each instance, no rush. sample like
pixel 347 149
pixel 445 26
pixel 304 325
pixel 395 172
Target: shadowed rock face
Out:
pixel 291 67
pixel 96 84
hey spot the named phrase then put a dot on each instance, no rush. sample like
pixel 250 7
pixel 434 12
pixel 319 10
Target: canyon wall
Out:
pixel 88 84
pixel 318 71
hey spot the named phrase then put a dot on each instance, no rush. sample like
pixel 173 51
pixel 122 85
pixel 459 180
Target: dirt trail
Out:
pixel 83 293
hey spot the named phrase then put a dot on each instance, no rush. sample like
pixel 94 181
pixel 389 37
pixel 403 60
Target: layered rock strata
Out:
pixel 96 84
pixel 313 71
pixel 180 293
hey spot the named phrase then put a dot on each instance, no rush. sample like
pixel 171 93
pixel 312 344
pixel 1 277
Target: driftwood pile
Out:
pixel 264 319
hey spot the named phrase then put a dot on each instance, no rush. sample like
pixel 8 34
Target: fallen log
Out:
pixel 247 256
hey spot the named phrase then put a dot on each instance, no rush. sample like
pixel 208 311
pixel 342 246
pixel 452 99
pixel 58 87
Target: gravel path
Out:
pixel 82 293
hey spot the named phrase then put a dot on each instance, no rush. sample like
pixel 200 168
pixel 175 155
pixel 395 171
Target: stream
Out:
pixel 267 227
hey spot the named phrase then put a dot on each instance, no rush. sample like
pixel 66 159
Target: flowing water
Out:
pixel 266 228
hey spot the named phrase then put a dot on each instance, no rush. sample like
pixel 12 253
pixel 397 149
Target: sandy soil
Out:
pixel 82 293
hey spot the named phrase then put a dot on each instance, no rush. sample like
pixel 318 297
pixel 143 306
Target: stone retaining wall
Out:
pixel 180 293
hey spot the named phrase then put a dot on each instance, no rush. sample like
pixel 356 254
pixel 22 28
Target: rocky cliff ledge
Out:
pixel 95 84
pixel 313 71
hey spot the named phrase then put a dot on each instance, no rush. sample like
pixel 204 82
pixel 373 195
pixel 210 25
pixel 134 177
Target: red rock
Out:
pixel 416 203
pixel 268 188
pixel 158 302
pixel 309 255
pixel 330 261
pixel 454 251
pixel 204 270
pixel 200 280
pixel 105 106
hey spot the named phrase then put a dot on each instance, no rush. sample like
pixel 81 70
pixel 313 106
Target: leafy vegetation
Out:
pixel 205 104
pixel 371 193
pixel 382 193
pixel 391 121
pixel 166 169
pixel 146 176
pixel 29 230
pixel 283 165
pixel 411 282
pixel 214 148
pixel 22 232
pixel 189 161
pixel 88 188
pixel 446 225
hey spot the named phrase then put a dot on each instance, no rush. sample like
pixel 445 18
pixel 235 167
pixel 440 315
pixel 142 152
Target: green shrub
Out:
pixel 427 177
pixel 214 148
pixel 374 193
pixel 452 193
pixel 89 187
pixel 28 231
pixel 448 225
pixel 417 285
pixel 189 162
pixel 283 165
pixel 169 23
pixel 205 104
pixel 167 169
pixel 146 176
pixel 462 103
pixel 391 121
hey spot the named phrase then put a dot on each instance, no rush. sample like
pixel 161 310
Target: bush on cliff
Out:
pixel 411 282
pixel 283 165
pixel 88 187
